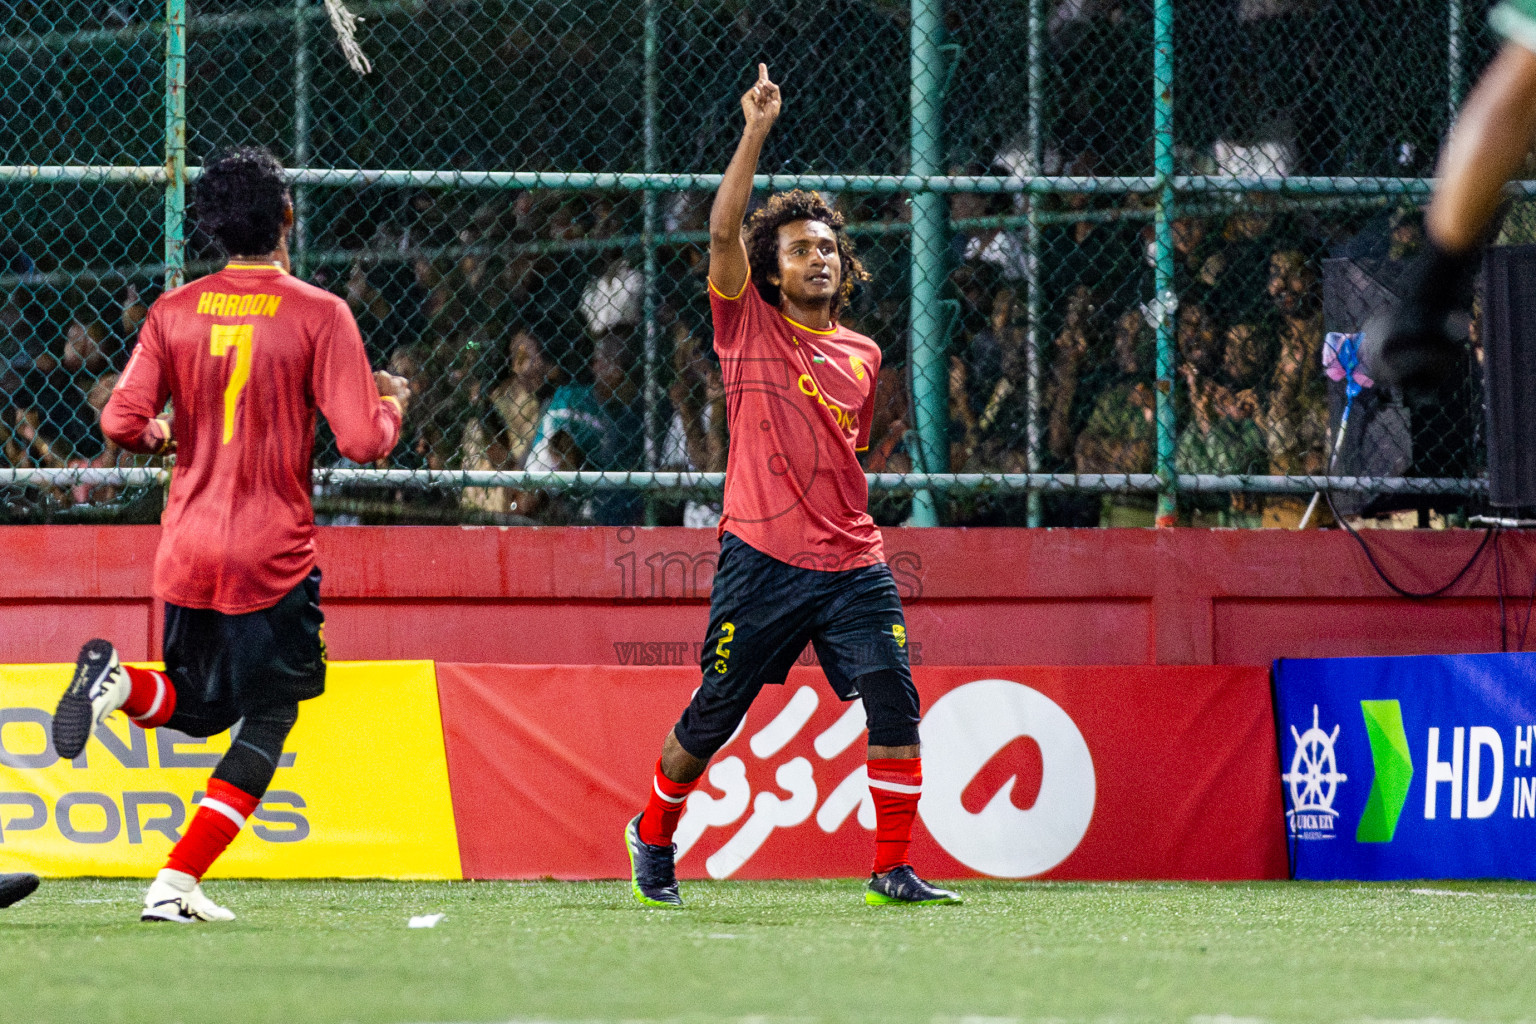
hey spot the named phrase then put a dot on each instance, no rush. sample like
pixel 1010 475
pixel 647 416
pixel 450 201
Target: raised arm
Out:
pixel 727 252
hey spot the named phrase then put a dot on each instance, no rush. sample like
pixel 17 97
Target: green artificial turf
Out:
pixel 776 951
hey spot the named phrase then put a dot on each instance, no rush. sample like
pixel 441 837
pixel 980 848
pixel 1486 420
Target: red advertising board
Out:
pixel 1060 773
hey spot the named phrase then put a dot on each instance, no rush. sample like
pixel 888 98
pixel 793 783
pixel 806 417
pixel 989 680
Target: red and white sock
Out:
pixel 220 816
pixel 664 808
pixel 152 699
pixel 895 784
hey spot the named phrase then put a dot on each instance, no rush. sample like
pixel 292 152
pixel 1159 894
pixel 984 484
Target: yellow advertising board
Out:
pixel 362 791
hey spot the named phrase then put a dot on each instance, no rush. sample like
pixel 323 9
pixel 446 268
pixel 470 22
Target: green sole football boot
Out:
pixel 651 873
pixel 902 887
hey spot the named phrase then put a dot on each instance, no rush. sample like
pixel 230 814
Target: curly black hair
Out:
pixel 763 243
pixel 240 198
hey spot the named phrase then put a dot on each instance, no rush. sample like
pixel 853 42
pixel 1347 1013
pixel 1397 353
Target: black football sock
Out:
pixel 253 754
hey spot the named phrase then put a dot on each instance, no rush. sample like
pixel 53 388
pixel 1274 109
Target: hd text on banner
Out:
pixel 1410 767
pixel 1065 773
pixel 362 791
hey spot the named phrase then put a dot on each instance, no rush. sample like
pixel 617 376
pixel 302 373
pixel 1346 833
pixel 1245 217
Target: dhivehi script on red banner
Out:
pixel 1064 773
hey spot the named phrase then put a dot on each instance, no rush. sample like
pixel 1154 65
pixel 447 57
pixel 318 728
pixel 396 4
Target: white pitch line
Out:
pixel 1482 895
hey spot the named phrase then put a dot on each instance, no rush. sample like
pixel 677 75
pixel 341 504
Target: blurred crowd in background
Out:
pixel 519 321
pixel 523 319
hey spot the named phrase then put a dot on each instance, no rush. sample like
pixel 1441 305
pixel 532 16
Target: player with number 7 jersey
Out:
pixel 246 357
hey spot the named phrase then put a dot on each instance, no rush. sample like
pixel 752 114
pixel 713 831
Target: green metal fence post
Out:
pixel 1033 304
pixel 303 30
pixel 1167 302
pixel 930 223
pixel 654 435
pixel 1455 59
pixel 175 140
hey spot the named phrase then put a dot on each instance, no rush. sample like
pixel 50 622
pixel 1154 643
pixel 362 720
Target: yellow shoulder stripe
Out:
pixel 738 295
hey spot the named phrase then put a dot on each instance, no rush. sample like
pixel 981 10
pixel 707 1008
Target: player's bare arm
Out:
pixel 1493 133
pixel 727 253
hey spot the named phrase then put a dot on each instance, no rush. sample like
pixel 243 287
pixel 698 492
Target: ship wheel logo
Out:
pixel 1314 777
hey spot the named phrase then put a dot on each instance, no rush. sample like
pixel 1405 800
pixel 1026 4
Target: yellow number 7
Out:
pixel 238 337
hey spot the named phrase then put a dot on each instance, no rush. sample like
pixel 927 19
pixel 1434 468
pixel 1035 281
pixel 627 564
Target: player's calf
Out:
pixel 895 786
pixel 175 894
pixel 233 795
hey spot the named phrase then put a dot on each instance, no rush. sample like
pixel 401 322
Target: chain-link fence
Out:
pixel 1107 240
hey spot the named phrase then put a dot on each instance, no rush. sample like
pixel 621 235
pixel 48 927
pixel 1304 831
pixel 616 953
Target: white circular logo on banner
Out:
pixel 961 733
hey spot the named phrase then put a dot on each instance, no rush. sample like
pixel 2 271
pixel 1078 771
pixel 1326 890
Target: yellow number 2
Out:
pixel 238 337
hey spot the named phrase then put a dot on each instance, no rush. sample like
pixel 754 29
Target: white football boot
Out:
pixel 99 687
pixel 176 896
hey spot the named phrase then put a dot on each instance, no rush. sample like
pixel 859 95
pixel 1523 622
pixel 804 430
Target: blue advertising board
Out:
pixel 1409 767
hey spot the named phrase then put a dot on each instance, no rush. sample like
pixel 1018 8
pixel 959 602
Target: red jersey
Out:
pixel 798 403
pixel 246 356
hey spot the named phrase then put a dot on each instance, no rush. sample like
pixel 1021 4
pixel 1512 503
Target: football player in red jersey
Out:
pixel 246 356
pixel 800 558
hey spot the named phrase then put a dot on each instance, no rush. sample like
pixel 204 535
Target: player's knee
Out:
pixel 890 708
pixel 256 749
pixel 200 724
pixel 707 726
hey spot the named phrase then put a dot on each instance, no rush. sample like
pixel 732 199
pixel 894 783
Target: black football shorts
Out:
pixel 225 666
pixel 762 613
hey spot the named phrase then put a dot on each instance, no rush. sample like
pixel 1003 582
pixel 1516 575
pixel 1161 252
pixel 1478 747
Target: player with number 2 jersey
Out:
pixel 801 561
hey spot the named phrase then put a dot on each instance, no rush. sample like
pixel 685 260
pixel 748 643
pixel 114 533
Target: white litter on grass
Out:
pixel 1484 895
pixel 723 935
pixel 426 921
